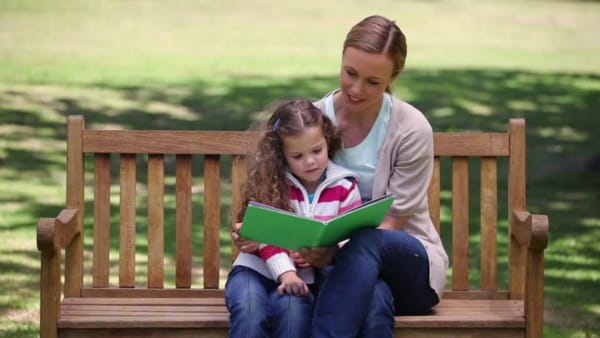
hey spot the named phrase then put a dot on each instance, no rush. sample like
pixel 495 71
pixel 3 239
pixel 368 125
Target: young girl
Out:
pixel 267 292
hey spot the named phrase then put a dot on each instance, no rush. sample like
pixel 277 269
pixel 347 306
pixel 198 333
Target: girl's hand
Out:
pixel 318 257
pixel 244 245
pixel 291 284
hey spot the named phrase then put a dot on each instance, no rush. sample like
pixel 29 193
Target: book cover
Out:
pixel 285 229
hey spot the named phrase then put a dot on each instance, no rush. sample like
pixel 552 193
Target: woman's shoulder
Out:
pixel 405 115
pixel 405 109
pixel 320 103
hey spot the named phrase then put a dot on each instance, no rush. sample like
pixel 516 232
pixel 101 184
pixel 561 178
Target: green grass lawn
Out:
pixel 214 65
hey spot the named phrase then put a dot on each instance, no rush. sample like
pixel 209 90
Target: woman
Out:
pixel 398 268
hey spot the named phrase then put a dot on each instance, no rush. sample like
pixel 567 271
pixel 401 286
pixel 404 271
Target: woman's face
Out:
pixel 363 79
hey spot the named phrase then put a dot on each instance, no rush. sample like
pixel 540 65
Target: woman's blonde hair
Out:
pixel 379 35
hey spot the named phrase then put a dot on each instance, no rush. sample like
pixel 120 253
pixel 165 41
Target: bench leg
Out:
pixel 49 294
pixel 534 302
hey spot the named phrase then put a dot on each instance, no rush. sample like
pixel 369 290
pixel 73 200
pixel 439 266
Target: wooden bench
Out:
pixel 107 270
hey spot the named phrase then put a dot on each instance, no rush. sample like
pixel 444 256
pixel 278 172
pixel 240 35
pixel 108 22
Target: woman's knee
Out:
pixel 379 321
pixel 364 241
pixel 381 308
pixel 365 236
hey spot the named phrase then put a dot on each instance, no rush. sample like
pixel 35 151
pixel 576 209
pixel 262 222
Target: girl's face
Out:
pixel 363 80
pixel 306 156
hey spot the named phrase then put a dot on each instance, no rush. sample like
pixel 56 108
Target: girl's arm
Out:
pixel 277 260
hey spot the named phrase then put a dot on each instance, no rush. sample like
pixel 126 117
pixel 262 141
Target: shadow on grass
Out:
pixel 562 136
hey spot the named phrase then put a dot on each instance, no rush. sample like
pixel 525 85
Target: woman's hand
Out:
pixel 244 245
pixel 318 257
pixel 299 261
pixel 393 222
pixel 291 284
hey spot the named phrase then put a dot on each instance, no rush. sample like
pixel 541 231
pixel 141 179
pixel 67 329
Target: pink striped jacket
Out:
pixel 337 194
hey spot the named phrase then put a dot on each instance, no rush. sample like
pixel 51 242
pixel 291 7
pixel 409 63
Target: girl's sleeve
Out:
pixel 277 259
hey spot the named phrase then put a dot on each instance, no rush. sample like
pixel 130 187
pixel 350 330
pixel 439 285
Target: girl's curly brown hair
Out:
pixel 267 182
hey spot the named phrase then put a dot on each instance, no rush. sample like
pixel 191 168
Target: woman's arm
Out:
pixel 393 222
pixel 318 257
pixel 244 245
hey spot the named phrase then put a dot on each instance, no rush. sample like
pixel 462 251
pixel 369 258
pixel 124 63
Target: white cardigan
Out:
pixel 404 169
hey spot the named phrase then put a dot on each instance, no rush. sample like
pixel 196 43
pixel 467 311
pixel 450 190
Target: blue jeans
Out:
pixel 256 309
pixel 377 274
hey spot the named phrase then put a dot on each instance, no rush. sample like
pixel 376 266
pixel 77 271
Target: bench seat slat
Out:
pixel 102 310
pixel 216 332
pixel 200 312
pixel 142 301
pixel 138 293
pixel 195 320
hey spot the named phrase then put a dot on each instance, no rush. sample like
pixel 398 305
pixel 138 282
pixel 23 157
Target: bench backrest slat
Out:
pixel 212 220
pixel 148 154
pixel 101 220
pixel 471 144
pixel 460 223
pixel 167 142
pixel 489 223
pixel 183 219
pixel 156 220
pixel 127 233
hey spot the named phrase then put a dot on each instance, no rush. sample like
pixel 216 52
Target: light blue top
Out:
pixel 311 195
pixel 361 158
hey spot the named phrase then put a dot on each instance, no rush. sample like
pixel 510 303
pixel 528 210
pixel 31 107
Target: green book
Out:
pixel 265 224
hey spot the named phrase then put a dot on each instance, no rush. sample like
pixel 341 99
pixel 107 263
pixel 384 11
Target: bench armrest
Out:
pixel 57 233
pixel 53 235
pixel 530 230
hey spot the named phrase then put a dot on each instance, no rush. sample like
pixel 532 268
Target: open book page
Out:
pixel 369 214
pixel 281 228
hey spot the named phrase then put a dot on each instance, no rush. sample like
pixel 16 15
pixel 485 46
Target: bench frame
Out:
pixel 71 308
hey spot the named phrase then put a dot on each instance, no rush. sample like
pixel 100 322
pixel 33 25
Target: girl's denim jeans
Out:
pixel 257 310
